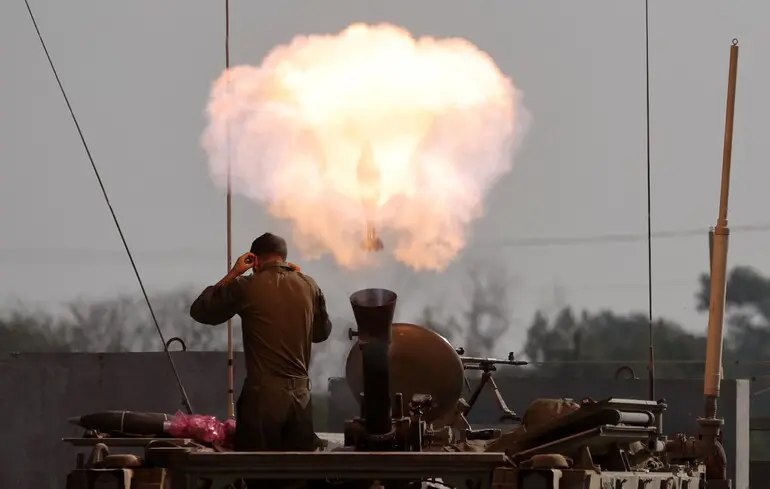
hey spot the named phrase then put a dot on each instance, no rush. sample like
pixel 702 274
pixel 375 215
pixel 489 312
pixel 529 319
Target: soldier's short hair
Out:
pixel 269 244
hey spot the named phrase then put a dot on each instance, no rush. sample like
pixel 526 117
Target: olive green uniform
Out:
pixel 282 313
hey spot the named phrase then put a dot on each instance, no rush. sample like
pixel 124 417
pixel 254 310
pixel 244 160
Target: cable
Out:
pixel 167 256
pixel 185 399
pixel 651 364
pixel 617 238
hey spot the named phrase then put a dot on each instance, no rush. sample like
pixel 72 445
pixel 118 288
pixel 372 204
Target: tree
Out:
pixel 446 327
pixel 487 317
pixel 597 344
pixel 746 288
pixel 747 338
pixel 172 310
pixel 747 334
pixel 21 332
pixel 112 325
pixel 606 336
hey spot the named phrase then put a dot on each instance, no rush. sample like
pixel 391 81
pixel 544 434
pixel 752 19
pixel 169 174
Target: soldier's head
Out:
pixel 269 247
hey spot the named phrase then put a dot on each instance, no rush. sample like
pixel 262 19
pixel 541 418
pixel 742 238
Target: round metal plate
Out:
pixel 421 362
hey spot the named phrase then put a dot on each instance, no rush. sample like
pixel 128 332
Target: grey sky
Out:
pixel 138 75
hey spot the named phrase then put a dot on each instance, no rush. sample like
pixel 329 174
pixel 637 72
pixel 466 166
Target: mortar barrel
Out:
pixel 373 310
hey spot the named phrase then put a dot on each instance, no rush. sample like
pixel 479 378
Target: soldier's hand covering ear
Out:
pixel 244 263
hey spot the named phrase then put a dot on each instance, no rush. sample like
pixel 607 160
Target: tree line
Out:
pixel 575 343
pixel 596 344
pixel 568 343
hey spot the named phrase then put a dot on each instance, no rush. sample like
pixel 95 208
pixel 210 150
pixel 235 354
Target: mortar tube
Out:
pixel 377 403
pixel 373 310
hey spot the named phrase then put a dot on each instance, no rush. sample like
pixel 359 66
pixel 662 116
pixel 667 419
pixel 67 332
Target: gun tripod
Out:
pixel 487 366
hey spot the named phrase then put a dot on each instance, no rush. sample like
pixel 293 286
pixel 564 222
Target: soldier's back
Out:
pixel 277 322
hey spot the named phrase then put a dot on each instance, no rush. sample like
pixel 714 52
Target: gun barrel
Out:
pixel 469 362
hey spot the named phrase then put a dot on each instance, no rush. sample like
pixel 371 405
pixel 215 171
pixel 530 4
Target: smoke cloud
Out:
pixel 368 129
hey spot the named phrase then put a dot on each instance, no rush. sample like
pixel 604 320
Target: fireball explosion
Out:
pixel 368 129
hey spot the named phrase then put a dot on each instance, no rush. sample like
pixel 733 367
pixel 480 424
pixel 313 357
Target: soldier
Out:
pixel 283 312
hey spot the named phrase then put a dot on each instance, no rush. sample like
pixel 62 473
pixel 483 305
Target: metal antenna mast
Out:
pixel 651 361
pixel 710 424
pixel 230 362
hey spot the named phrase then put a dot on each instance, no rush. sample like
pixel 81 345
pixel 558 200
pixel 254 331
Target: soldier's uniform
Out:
pixel 282 313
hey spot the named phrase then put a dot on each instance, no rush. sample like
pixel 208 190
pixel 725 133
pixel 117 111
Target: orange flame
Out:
pixel 368 127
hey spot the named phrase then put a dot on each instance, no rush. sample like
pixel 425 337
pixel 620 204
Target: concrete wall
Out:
pixel 759 473
pixel 684 398
pixel 38 392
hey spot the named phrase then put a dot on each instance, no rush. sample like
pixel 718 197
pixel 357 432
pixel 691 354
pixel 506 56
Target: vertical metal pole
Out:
pixel 230 362
pixel 711 251
pixel 651 323
pixel 718 286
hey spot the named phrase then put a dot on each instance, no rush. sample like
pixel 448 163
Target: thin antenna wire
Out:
pixel 651 364
pixel 185 399
pixel 230 359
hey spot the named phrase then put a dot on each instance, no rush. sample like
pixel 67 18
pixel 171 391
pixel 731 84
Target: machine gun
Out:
pixel 487 366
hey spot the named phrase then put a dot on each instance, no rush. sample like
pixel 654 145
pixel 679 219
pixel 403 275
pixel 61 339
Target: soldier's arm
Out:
pixel 322 325
pixel 219 303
